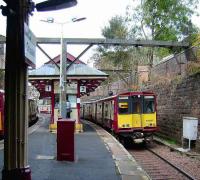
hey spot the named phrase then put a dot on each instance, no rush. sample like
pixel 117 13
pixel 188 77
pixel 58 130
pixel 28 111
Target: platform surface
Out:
pixel 98 156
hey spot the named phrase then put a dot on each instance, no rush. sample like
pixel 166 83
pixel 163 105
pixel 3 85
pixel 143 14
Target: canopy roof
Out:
pixel 77 70
pixel 87 76
pixel 70 58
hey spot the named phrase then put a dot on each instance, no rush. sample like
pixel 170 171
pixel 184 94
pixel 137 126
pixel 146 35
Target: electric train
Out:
pixel 130 115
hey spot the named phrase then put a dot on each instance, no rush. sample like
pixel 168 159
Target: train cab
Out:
pixel 136 112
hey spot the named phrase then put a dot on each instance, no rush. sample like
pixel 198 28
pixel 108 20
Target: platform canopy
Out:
pixel 87 76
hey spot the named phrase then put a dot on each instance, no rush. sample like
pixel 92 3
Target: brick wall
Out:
pixel 177 99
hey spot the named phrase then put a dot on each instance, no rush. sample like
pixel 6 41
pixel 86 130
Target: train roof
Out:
pixel 137 93
pixel 130 93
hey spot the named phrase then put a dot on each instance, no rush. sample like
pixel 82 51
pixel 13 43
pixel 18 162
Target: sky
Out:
pixel 97 13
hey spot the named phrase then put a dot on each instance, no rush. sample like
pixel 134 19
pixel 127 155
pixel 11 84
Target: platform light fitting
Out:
pixel 49 5
pixel 52 5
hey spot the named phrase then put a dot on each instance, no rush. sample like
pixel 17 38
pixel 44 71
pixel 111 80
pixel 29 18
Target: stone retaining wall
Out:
pixel 177 99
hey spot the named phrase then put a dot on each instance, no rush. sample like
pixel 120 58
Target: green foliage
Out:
pixel 171 141
pixel 117 56
pixel 193 68
pixel 194 39
pixel 166 139
pixel 150 20
pixel 163 20
pixel 116 28
pixel 113 56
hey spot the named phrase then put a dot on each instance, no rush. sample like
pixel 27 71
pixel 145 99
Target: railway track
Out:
pixel 156 166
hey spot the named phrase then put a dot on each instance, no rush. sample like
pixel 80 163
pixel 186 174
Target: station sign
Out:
pixel 48 88
pixel 30 46
pixel 82 89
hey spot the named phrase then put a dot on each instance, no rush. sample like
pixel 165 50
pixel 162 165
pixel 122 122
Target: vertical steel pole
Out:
pixel 63 76
pixel 16 116
pixel 78 104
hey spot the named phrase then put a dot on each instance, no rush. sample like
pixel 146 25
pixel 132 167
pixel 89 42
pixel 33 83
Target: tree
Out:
pixel 162 20
pixel 122 58
pixel 116 57
pixel 116 29
pixel 150 20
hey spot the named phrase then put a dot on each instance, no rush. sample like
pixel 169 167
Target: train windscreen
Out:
pixel 123 105
pixel 149 104
pixel 136 104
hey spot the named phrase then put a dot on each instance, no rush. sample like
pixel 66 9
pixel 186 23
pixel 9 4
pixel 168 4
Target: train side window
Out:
pixel 98 108
pixel 112 109
pixel 106 110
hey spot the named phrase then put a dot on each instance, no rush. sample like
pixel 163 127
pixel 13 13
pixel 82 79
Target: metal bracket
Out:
pixel 31 7
pixel 6 11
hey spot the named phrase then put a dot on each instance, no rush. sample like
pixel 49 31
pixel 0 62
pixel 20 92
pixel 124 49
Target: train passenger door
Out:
pixel 136 111
pixel 124 115
pixel 149 113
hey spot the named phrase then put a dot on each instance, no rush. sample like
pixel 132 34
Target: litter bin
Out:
pixel 65 140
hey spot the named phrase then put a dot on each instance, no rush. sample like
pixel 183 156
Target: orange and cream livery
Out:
pixel 130 115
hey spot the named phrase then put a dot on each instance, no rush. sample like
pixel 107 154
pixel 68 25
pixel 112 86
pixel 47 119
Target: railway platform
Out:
pixel 97 156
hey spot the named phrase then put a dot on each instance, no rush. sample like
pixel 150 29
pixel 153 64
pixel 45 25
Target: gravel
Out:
pixel 188 163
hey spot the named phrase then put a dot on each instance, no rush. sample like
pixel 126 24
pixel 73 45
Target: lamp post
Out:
pixel 63 76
